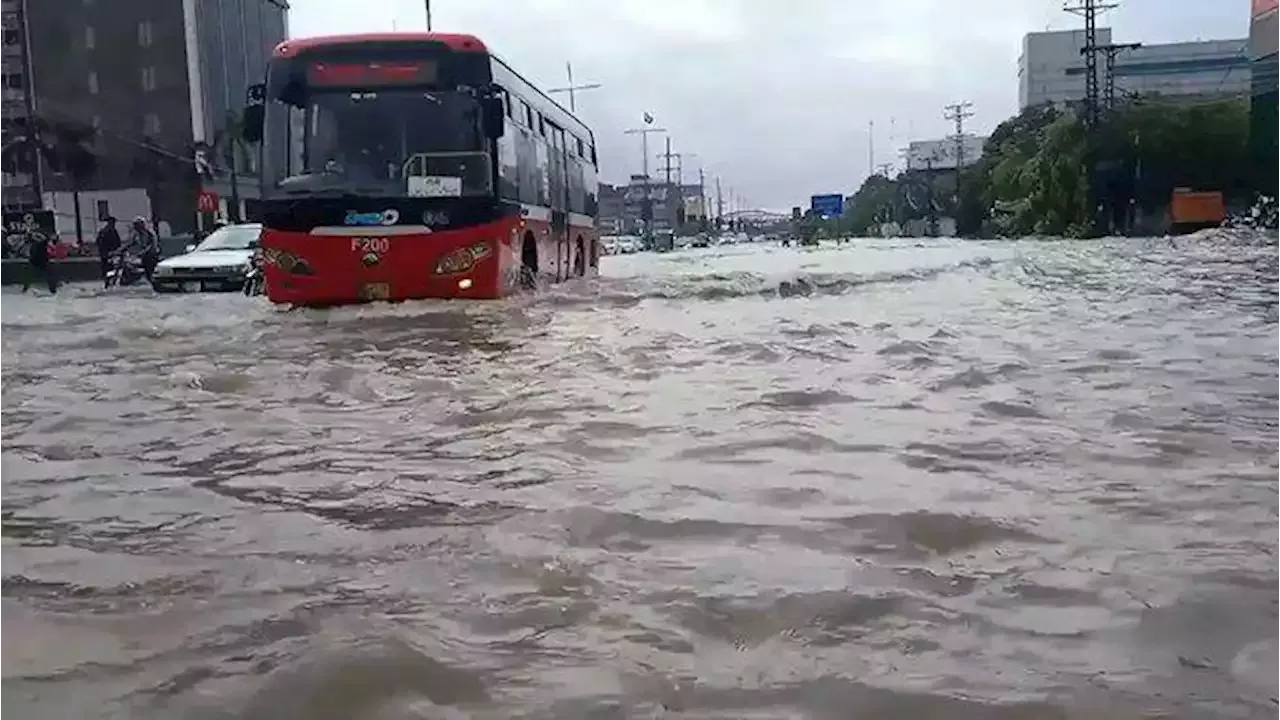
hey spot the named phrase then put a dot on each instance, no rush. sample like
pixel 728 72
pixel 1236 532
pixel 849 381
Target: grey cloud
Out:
pixel 773 95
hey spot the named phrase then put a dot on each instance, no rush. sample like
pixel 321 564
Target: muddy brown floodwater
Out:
pixel 896 479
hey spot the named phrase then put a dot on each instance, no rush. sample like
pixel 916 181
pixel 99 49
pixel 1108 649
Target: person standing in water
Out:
pixel 109 243
pixel 38 265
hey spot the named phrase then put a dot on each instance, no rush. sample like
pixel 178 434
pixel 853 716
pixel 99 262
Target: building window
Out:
pixel 144 33
pixel 151 124
pixel 12 81
pixel 89 38
pixel 93 83
pixel 11 37
pixel 148 78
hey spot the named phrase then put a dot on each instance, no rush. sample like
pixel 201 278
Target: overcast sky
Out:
pixel 774 96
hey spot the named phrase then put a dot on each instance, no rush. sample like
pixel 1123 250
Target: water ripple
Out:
pixel 903 478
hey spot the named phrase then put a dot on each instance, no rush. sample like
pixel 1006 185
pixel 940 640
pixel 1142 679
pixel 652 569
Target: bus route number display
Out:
pixel 370 74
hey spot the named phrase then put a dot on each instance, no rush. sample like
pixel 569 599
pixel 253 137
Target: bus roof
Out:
pixel 455 41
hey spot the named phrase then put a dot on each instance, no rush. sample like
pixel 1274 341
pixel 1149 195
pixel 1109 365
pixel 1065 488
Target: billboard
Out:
pixel 941 154
pixel 827 205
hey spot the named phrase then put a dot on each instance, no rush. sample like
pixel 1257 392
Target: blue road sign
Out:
pixel 827 206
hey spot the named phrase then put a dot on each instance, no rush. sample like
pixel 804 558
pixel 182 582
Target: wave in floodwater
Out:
pixel 899 478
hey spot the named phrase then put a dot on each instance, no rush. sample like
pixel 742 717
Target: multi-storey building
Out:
pixel 17 159
pixel 672 205
pixel 151 89
pixel 1263 34
pixel 1051 68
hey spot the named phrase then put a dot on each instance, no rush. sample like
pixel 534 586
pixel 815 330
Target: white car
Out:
pixel 219 262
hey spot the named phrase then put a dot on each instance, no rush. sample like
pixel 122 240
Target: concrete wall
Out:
pixel 1052 69
pixel 125 204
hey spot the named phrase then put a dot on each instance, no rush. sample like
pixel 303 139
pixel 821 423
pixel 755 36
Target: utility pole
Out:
pixel 427 3
pixel 1090 10
pixel 702 198
pixel 667 156
pixel 646 205
pixel 719 204
pixel 928 185
pixel 1109 84
pixel 958 113
pixel 32 129
pixel 679 165
pixel 572 89
pixel 871 146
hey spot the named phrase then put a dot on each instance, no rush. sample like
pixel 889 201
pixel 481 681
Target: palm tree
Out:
pixel 64 146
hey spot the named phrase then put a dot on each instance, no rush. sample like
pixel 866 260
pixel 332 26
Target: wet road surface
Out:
pixel 898 479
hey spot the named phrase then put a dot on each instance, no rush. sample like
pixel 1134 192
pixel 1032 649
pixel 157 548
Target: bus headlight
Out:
pixel 462 259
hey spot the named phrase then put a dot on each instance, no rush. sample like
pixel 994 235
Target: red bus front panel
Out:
pixel 336 266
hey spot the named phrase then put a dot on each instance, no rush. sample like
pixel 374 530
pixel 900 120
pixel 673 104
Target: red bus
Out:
pixel 415 165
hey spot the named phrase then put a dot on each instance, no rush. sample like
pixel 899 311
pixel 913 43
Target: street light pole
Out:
pixel 428 6
pixel 646 205
pixel 572 89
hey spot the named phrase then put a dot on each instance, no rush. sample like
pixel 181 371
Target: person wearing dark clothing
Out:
pixel 38 260
pixel 109 244
pixel 146 244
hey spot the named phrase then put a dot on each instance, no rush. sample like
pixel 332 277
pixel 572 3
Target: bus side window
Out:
pixel 581 154
pixel 528 115
pixel 506 101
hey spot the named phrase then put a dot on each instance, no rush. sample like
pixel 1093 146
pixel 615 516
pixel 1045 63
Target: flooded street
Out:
pixel 896 479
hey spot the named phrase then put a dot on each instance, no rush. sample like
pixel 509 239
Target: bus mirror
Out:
pixel 251 130
pixel 495 115
pixel 255 99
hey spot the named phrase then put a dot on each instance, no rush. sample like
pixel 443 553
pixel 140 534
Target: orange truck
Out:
pixel 1195 210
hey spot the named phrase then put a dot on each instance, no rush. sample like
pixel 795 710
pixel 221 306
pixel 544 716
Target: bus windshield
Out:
pixel 392 142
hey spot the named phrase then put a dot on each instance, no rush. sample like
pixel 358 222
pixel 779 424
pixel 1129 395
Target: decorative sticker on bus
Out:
pixel 386 217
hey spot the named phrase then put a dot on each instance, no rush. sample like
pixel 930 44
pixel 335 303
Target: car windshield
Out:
pixel 232 237
pixel 390 142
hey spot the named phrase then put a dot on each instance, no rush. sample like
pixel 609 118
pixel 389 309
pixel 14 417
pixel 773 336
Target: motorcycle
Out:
pixel 253 281
pixel 126 271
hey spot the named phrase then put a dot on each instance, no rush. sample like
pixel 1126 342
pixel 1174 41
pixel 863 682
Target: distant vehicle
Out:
pixel 629 244
pixel 1190 210
pixel 663 241
pixel 397 165
pixel 219 263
